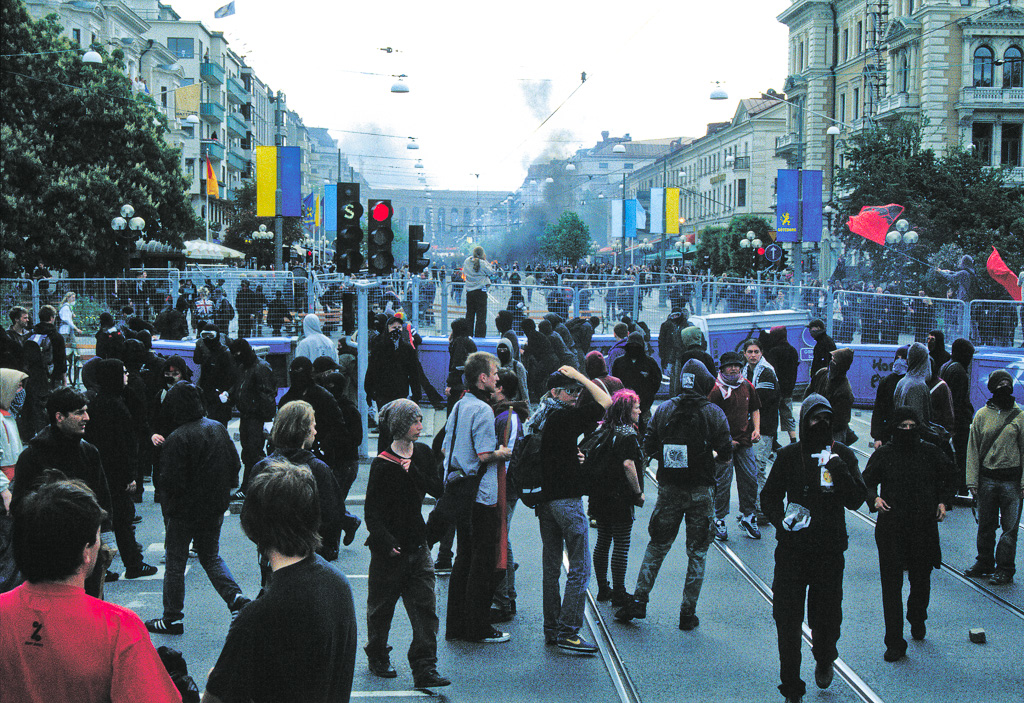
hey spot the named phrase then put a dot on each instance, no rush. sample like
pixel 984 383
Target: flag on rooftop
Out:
pixel 228 9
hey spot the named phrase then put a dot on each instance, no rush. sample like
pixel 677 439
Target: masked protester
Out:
pixel 881 413
pixel 909 484
pixel 392 370
pixel 639 373
pixel 823 346
pixel 956 373
pixel 810 485
pixel 218 374
pixel 832 383
pixel 995 453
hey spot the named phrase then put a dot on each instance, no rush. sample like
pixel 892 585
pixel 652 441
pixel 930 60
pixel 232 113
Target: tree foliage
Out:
pixel 77 145
pixel 567 240
pixel 722 244
pixel 243 222
pixel 953 199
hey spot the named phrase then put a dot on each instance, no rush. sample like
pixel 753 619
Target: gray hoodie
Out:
pixel 515 367
pixel 315 343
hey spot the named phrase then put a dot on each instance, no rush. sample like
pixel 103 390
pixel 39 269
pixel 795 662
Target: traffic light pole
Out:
pixel 362 352
pixel 278 232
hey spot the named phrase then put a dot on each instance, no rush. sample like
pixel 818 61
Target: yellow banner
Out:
pixel 266 181
pixel 671 211
pixel 186 100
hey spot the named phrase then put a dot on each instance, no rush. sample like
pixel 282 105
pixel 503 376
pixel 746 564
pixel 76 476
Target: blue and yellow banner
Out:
pixel 278 169
pixel 788 205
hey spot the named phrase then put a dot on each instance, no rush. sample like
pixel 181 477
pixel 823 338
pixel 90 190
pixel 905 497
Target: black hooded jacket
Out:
pixel 329 419
pixel 53 449
pixel 110 426
pixel 198 464
pixel 937 351
pixel 796 478
pixel 690 419
pixel 217 370
pixel 255 394
pixel 637 371
pixel 783 356
pixel 956 373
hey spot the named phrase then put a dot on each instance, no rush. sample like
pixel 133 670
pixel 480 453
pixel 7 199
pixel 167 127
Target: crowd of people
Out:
pixel 547 424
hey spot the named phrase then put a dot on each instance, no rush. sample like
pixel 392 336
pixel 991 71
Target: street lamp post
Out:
pixel 753 244
pixel 128 220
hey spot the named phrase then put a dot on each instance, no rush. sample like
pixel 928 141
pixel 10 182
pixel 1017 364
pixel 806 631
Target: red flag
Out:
pixel 1002 274
pixel 874 221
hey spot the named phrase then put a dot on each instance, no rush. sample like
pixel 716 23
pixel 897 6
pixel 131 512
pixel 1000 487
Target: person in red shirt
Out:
pixel 60 644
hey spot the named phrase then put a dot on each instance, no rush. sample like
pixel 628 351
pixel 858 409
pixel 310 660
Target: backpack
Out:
pixel 526 469
pixel 684 444
pixel 38 349
pixel 600 474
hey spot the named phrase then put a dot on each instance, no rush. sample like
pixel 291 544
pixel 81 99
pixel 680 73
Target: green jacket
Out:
pixel 1006 453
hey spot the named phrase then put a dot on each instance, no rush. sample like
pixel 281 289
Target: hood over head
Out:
pixel 776 335
pixel 178 363
pixel 693 339
pixel 554 318
pixel 812 405
pixel 939 343
pixel 242 351
pixel 503 322
pixel 529 326
pixel 301 372
pixel 635 344
pixel 997 377
pixel 110 375
pixel 962 351
pixel 146 337
pixel 504 351
pixel 545 327
pixel 594 365
pixel 9 380
pixel 918 363
pixel 966 262
pixel 843 359
pixel 185 403
pixel 460 327
pixel 696 378
pixel 311 325
pixel 902 352
pixel 106 320
pixel 903 413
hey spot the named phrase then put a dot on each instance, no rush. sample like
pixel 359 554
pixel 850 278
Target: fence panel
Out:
pixel 883 318
pixel 18 291
pixel 996 323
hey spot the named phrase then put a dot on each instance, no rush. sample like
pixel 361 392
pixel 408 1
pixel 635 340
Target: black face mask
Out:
pixel 634 351
pixel 819 435
pixel 906 438
pixel 395 334
pixel 504 355
pixel 815 332
pixel 1002 397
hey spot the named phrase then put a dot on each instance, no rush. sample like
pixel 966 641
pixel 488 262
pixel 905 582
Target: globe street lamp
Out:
pixel 127 220
pixel 751 242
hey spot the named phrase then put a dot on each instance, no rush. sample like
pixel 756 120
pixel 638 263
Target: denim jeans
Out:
pixel 998 506
pixel 695 504
pixel 411 578
pixel 564 523
pixel 746 482
pixel 505 593
pixel 205 533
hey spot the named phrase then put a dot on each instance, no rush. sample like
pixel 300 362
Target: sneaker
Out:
pixel 893 655
pixel 979 570
pixel 238 496
pixel 749 526
pixel 493 637
pixel 443 567
pixel 634 609
pixel 1001 578
pixel 918 630
pixel 500 614
pixel 823 673
pixel 111 576
pixel 164 626
pixel 430 679
pixel 137 519
pixel 381 666
pixel 350 532
pixel 604 592
pixel 721 531
pixel 688 622
pixel 142 569
pixel 576 644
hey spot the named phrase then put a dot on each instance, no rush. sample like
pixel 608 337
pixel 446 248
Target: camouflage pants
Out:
pixel 696 505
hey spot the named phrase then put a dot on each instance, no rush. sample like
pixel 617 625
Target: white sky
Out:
pixel 649 73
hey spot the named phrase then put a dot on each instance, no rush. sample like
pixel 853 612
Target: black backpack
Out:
pixel 684 441
pixel 526 470
pixel 39 350
pixel 599 473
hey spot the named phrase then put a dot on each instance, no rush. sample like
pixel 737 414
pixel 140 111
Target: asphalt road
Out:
pixel 731 656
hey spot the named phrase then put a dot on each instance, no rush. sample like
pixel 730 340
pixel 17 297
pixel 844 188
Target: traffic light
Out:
pixel 309 259
pixel 348 256
pixel 380 262
pixel 761 261
pixel 417 248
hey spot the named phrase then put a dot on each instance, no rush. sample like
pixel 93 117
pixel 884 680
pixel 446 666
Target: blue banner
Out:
pixel 630 217
pixel 289 180
pixel 788 203
pixel 330 208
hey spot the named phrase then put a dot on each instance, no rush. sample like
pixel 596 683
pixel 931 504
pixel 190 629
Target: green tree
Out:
pixel 567 240
pixel 243 222
pixel 77 144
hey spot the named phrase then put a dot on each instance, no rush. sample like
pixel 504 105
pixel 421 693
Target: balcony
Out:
pixel 237 92
pixel 212 112
pixel 211 72
pixel 236 127
pixel 892 106
pixel 992 97
pixel 787 145
pixel 211 149
pixel 236 162
pixel 742 163
pixel 1014 176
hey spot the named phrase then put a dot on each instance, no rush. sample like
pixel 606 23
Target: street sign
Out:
pixel 773 252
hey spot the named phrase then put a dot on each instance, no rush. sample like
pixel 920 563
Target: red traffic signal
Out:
pixel 381 211
pixel 760 251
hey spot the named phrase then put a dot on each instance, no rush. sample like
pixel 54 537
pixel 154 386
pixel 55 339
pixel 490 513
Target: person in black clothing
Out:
pixel 109 338
pixel 503 323
pixel 161 415
pixel 460 346
pixel 255 396
pixel 110 430
pixel 61 444
pixel 278 314
pixel 246 302
pixel 137 392
pixel 539 358
pixel 170 323
pixel 957 375
pixel 328 375
pixel 328 415
pixel 400 563
pixel 881 413
pixel 12 340
pixel 823 346
pixel 909 483
pixel 297 642
pixel 218 374
pixel 393 370
pixel 804 498
pixel 937 351
pixel 293 436
pixel 785 359
pixel 639 373
pixel 670 347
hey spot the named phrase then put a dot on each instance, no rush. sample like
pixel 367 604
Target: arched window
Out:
pixel 984 67
pixel 1013 68
pixel 904 76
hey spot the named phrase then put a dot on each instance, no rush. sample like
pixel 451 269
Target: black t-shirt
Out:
pixel 560 446
pixel 295 643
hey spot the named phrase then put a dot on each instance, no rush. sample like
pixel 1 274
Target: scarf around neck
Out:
pixel 726 387
pixel 548 404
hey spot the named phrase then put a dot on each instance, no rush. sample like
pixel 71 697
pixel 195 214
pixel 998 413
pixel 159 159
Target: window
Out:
pixel 163 96
pixel 182 47
pixel 860 38
pixel 741 192
pixel 603 164
pixel 904 73
pixel 984 67
pixel 800 58
pixel 842 107
pixel 1010 155
pixel 627 166
pixel 856 103
pixel 981 137
pixel 846 44
pixel 76 35
pixel 1013 68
